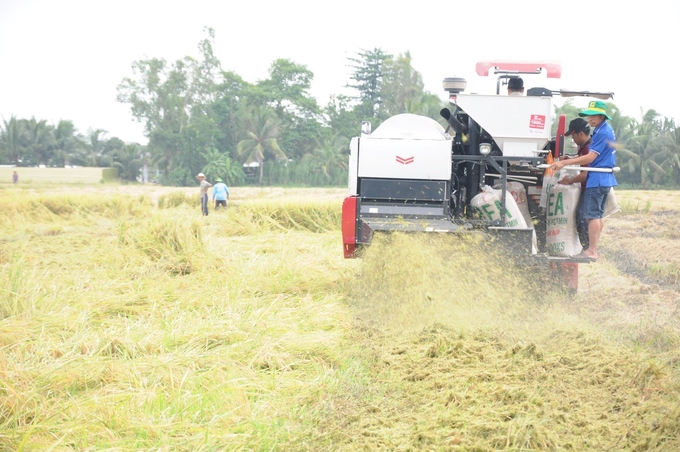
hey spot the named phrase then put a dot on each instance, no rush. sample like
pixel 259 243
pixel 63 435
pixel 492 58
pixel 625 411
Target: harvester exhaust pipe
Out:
pixel 456 125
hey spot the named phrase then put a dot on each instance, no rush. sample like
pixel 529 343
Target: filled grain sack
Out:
pixel 519 193
pixel 549 180
pixel 487 204
pixel 561 204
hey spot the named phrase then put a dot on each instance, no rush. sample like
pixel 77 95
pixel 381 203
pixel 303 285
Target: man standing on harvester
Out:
pixel 602 154
pixel 579 131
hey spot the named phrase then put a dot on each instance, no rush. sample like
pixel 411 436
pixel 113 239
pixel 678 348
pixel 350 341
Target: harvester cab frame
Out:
pixel 413 175
pixel 504 76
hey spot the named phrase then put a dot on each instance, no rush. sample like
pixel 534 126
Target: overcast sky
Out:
pixel 62 59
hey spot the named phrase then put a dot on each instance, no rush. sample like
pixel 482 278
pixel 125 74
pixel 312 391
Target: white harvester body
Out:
pixel 520 125
pixel 405 146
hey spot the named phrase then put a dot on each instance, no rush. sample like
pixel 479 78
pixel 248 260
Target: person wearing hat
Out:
pixel 601 154
pixel 579 131
pixel 515 86
pixel 220 193
pixel 204 186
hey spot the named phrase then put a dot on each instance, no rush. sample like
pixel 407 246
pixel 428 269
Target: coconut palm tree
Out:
pixel 221 165
pixel 12 140
pixel 128 159
pixel 214 167
pixel 261 141
pixel 40 138
pixel 623 126
pixel 94 145
pixel 329 156
pixel 670 143
pixel 67 142
pixel 233 172
pixel 643 153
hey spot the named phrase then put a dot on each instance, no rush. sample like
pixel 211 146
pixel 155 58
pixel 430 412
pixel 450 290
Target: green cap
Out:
pixel 218 180
pixel 596 107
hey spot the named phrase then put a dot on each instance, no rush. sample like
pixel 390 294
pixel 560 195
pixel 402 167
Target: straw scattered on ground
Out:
pixel 129 322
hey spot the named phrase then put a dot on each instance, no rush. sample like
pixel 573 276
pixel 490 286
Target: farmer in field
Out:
pixel 15 178
pixel 601 154
pixel 205 185
pixel 579 131
pixel 220 193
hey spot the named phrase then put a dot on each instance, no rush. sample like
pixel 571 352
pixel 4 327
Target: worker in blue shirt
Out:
pixel 220 193
pixel 602 154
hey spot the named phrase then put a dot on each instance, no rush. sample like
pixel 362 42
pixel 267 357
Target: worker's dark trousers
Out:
pixel 204 204
pixel 582 223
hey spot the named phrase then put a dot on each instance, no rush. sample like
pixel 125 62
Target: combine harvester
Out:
pixel 412 175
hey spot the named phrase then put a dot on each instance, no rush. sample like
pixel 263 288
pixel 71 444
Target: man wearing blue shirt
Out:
pixel 602 154
pixel 220 193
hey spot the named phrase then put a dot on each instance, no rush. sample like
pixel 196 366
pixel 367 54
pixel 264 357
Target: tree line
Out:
pixel 201 118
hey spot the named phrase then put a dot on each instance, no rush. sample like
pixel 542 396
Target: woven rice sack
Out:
pixel 519 193
pixel 487 203
pixel 561 235
pixel 551 178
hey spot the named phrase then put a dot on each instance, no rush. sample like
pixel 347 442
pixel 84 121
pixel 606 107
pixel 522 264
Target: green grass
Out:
pixel 629 207
pixel 666 271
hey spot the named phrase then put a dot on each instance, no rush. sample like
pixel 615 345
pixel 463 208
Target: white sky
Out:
pixel 62 59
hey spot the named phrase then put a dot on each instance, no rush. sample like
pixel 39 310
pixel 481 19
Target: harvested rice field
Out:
pixel 130 322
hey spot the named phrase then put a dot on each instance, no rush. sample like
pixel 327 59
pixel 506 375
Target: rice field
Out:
pixel 130 322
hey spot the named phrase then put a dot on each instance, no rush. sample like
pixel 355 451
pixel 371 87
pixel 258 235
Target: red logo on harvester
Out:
pixel 537 122
pixel 405 161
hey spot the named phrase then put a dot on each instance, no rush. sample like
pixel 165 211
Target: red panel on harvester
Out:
pixel 349 226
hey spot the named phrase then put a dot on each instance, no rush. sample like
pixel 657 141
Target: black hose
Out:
pixel 456 125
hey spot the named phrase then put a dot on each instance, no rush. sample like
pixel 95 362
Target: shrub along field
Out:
pixel 130 322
